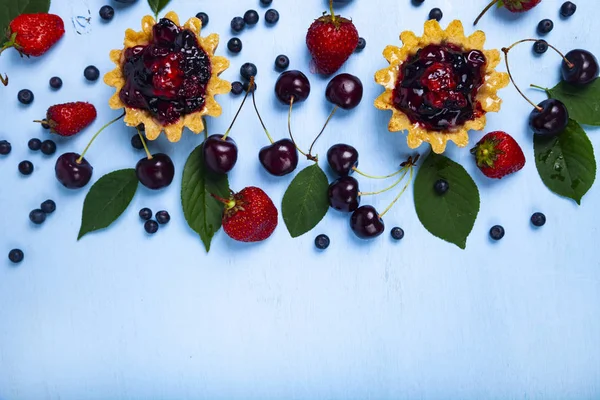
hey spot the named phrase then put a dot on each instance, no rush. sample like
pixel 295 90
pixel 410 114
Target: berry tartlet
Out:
pixel 167 76
pixel 440 86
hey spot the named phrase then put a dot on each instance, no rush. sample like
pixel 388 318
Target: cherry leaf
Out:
pixel 158 5
pixel 583 102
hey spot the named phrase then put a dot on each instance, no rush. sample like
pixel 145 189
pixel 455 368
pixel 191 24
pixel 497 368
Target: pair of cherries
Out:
pixel 551 116
pixel 281 157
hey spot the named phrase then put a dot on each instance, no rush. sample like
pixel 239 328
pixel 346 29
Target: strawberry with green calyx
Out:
pixel 514 6
pixel 34 34
pixel 70 118
pixel 249 215
pixel 331 40
pixel 497 154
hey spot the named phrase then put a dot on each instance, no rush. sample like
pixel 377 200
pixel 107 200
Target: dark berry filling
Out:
pixel 167 77
pixel 437 87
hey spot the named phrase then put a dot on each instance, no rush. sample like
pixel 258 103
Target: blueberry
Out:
pixel 266 2
pixel 497 232
pixel 237 88
pixel 56 82
pixel 362 43
pixel 272 16
pixel 540 47
pixel 136 142
pixel 5 147
pixel 16 256
pixel 248 70
pixel 151 227
pixel 34 144
pixel 538 219
pixel 145 214
pixel 25 96
pixel 418 2
pixel 48 147
pixel 436 14
pixel 234 45
pixel 251 17
pixel 48 207
pixel 247 84
pixel 441 186
pixel 26 167
pixel 282 62
pixel 45 125
pixel 237 24
pixel 107 13
pixel 37 216
pixel 91 73
pixel 545 26
pixel 397 233
pixel 322 242
pixel 163 217
pixel 568 9
pixel 202 16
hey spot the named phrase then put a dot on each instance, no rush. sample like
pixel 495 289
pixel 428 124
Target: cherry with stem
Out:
pixel 154 171
pixel 550 117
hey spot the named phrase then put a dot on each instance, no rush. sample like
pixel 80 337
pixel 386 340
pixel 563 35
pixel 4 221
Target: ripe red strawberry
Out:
pixel 34 34
pixel 515 6
pixel 498 154
pixel 70 118
pixel 249 216
pixel 331 40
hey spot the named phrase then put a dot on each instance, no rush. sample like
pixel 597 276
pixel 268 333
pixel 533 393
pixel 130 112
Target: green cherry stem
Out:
pixel 322 130
pixel 78 161
pixel 505 50
pixel 399 194
pixel 260 118
pixel 144 144
pixel 205 128
pixel 388 188
pixel 250 87
pixel 376 176
pixel 308 156
pixel 486 9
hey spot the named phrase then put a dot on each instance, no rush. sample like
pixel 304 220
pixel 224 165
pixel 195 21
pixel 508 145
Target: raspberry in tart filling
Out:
pixel 167 77
pixel 437 87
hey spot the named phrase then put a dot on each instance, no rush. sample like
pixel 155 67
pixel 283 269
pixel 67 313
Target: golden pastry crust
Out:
pixel 487 94
pixel 192 121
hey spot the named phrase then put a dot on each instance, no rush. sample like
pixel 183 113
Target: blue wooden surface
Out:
pixel 120 315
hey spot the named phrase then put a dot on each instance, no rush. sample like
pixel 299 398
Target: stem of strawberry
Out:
pixel 331 9
pixel 4 79
pixel 96 135
pixel 308 156
pixel 229 203
pixel 260 119
pixel 322 130
pixel 486 9
pixel 144 144
pixel 505 50
pixel 250 87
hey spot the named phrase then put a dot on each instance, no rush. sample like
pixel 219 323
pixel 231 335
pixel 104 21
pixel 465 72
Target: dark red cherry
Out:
pixel 220 155
pixel 365 223
pixel 71 173
pixel 345 91
pixel 584 70
pixel 279 158
pixel 156 172
pixel 342 158
pixel 551 120
pixel 343 194
pixel 292 85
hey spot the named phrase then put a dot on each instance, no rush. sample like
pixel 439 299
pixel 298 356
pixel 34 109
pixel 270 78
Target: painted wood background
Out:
pixel 120 315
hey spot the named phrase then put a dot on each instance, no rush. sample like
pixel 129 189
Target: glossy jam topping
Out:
pixel 167 77
pixel 437 87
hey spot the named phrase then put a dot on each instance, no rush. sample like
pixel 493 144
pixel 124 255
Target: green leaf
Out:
pixel 583 102
pixel 566 162
pixel 202 212
pixel 158 5
pixel 107 199
pixel 450 217
pixel 9 9
pixel 305 201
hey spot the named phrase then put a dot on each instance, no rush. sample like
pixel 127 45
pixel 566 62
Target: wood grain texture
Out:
pixel 124 316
